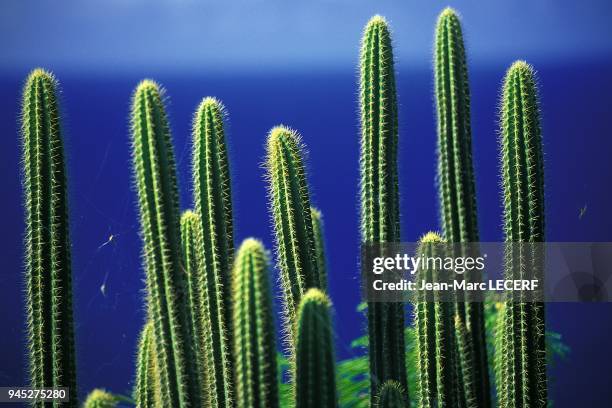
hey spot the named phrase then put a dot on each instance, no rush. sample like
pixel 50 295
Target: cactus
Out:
pixel 523 345
pixel 380 195
pixel 290 203
pixel 391 395
pixel 47 245
pixel 255 344
pixel 315 382
pixel 436 342
pixel 319 237
pixel 101 399
pixel 155 175
pixel 213 205
pixel 456 184
pixel 147 392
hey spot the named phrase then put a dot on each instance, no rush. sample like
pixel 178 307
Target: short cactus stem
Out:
pixel 315 378
pixel 319 237
pixel 48 274
pixel 391 395
pixel 254 340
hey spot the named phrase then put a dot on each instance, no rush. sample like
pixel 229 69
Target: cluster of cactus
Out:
pixel 209 338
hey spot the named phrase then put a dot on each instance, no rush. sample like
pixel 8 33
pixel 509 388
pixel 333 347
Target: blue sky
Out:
pixel 195 35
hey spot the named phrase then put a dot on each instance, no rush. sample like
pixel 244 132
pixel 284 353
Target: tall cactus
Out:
pixel 147 390
pixel 523 345
pixel 319 237
pixel 391 395
pixel 255 344
pixel 380 194
pixel 155 175
pixel 213 205
pixel 315 382
pixel 436 342
pixel 47 245
pixel 290 206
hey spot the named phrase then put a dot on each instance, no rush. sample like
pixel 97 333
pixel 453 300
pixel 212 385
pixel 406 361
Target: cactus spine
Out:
pixel 436 343
pixel 391 395
pixel 290 203
pixel 379 194
pixel 523 344
pixel 456 185
pixel 47 244
pixel 155 174
pixel 315 383
pixel 319 237
pixel 255 344
pixel 147 391
pixel 213 205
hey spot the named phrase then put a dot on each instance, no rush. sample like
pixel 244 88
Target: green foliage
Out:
pixel 319 238
pixel 155 176
pixel 47 245
pixel 255 345
pixel 315 378
pixel 522 344
pixel 391 395
pixel 290 204
pixel 380 193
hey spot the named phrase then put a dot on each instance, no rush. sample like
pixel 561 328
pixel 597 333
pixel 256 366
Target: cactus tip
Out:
pixel 431 237
pixel 314 295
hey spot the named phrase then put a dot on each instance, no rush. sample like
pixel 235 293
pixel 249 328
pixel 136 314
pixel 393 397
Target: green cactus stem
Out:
pixel 319 237
pixel 290 206
pixel 391 395
pixel 255 344
pixel 48 275
pixel 456 184
pixel 213 205
pixel 155 176
pixel 523 345
pixel 315 382
pixel 380 194
pixel 147 392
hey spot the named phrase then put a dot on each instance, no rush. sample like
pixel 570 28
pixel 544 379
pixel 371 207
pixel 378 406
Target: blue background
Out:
pixel 274 63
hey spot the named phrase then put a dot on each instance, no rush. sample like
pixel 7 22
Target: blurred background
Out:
pixel 275 62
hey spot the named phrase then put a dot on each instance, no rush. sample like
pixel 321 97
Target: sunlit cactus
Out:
pixel 101 399
pixel 456 186
pixel 380 194
pixel 290 206
pixel 319 237
pixel 213 205
pixel 254 340
pixel 523 343
pixel 391 395
pixel 315 377
pixel 155 178
pixel 147 392
pixel 48 275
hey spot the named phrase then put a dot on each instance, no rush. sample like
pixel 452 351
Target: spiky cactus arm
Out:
pixel 254 341
pixel 213 205
pixel 391 395
pixel 47 244
pixel 524 345
pixel 147 391
pixel 155 176
pixel 315 382
pixel 290 206
pixel 319 237
pixel 456 181
pixel 379 193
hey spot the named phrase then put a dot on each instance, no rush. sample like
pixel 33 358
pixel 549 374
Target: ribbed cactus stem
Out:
pixel 254 340
pixel 380 194
pixel 391 395
pixel 213 205
pixel 315 382
pixel 155 176
pixel 147 391
pixel 101 399
pixel 456 184
pixel 524 344
pixel 290 206
pixel 434 322
pixel 47 246
pixel 319 237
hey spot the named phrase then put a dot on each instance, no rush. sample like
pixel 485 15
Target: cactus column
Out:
pixel 523 344
pixel 255 344
pixel 456 184
pixel 155 175
pixel 319 237
pixel 379 194
pixel 147 390
pixel 48 269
